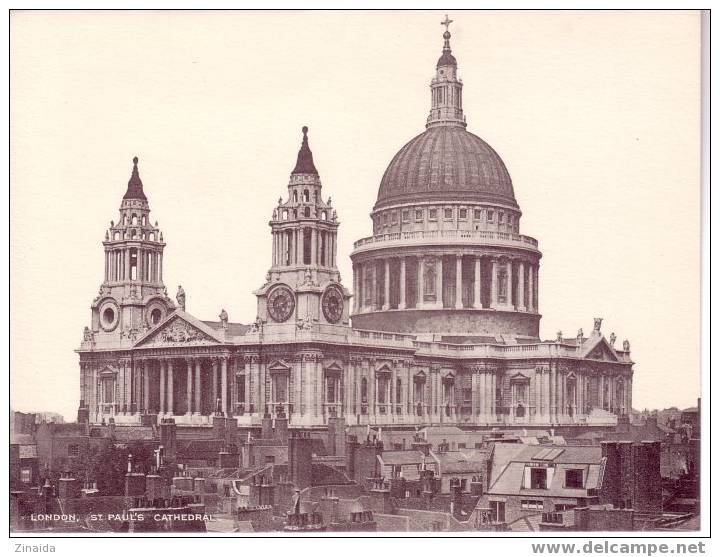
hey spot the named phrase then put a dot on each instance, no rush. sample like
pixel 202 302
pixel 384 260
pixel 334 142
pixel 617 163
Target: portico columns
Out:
pixel 477 302
pixel 170 404
pixel 162 386
pixel 146 386
pixel 458 282
pixel 188 396
pixel 402 303
pixel 215 384
pixel 198 410
pixel 374 289
pixel 508 286
pixel 223 384
pixel 386 277
pixel 521 287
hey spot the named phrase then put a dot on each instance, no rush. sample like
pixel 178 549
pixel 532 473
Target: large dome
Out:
pixel 446 163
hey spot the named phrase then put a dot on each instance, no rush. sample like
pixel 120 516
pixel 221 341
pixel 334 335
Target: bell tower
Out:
pixel 132 298
pixel 303 290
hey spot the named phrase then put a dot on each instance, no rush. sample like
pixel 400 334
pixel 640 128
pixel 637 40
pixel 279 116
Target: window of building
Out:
pixel 538 478
pixel 491 216
pixel 501 217
pixel 477 214
pixel 418 214
pixel 307 246
pixel 531 504
pixel 398 391
pixel 432 214
pixel 467 395
pixel 269 459
pixel 406 215
pixel 306 196
pixel 26 475
pixel 363 390
pixel 462 446
pixel 497 511
pixel 73 450
pixel 307 212
pixel 564 507
pixel 463 213
pixel 393 217
pixel 241 387
pixel 448 214
pixel 295 198
pixel 574 479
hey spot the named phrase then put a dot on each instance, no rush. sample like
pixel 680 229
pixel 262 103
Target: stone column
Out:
pixel 198 389
pixel 421 283
pixel 126 267
pixel 402 303
pixel 521 287
pixel 215 383
pixel 494 285
pixel 439 282
pixel 508 289
pixel 146 386
pixel 171 387
pixel 536 284
pixel 188 396
pixel 552 393
pixel 313 247
pixel 386 277
pixel 475 393
pixel 493 398
pixel 458 282
pixel 162 386
pixel 224 385
pixel 477 302
pixel 531 295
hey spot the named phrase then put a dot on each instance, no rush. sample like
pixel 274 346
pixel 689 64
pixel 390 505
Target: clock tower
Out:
pixel 302 290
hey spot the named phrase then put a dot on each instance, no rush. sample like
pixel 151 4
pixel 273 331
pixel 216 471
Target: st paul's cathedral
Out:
pixel 439 326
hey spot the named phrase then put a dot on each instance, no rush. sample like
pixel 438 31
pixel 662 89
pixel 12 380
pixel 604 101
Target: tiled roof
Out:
pixel 397 458
pixel 233 329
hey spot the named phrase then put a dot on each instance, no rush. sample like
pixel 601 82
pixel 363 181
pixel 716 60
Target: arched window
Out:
pixel 144 221
pixel 116 236
pixel 398 391
pixel 134 220
pixel 152 237
pixel 324 215
pixel 295 196
pixel 306 196
pixel 307 212
pixel 285 214
pixel 364 390
pixel 133 234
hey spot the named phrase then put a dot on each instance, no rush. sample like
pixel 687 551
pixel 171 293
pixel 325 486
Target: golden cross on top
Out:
pixel 446 23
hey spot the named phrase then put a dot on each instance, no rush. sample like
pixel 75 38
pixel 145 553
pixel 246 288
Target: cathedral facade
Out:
pixel 441 325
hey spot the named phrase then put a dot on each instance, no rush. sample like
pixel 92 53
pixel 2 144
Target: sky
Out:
pixel 595 114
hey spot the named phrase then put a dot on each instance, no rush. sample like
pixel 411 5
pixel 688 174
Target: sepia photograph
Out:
pixel 338 272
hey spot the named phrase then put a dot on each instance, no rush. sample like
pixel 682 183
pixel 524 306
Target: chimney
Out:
pixel 281 426
pixel 267 428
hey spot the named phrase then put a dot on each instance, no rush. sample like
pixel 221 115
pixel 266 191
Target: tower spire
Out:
pixel 446 88
pixel 305 164
pixel 135 185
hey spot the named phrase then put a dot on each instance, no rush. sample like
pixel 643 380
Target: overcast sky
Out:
pixel 596 115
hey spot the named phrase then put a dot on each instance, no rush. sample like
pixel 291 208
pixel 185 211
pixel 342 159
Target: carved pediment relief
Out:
pixel 107 372
pixel 177 332
pixel 384 367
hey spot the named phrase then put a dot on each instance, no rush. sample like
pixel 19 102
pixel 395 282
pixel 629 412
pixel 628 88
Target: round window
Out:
pixel 109 316
pixel 155 316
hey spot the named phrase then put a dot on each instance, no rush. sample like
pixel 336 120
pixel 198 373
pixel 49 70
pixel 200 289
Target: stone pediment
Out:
pixel 601 350
pixel 179 329
pixel 519 378
pixel 334 368
pixel 279 366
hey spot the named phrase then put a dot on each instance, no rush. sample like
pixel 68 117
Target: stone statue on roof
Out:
pixel 612 339
pixel 223 318
pixel 180 296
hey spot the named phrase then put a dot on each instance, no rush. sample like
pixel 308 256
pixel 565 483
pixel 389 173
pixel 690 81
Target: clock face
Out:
pixel 332 304
pixel 281 303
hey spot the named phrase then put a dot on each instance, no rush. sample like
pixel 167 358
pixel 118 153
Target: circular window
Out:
pixel 155 316
pixel 109 316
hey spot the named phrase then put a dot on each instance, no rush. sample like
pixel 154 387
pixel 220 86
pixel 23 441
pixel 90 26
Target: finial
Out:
pixel 446 23
pixel 135 161
pixel 304 130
